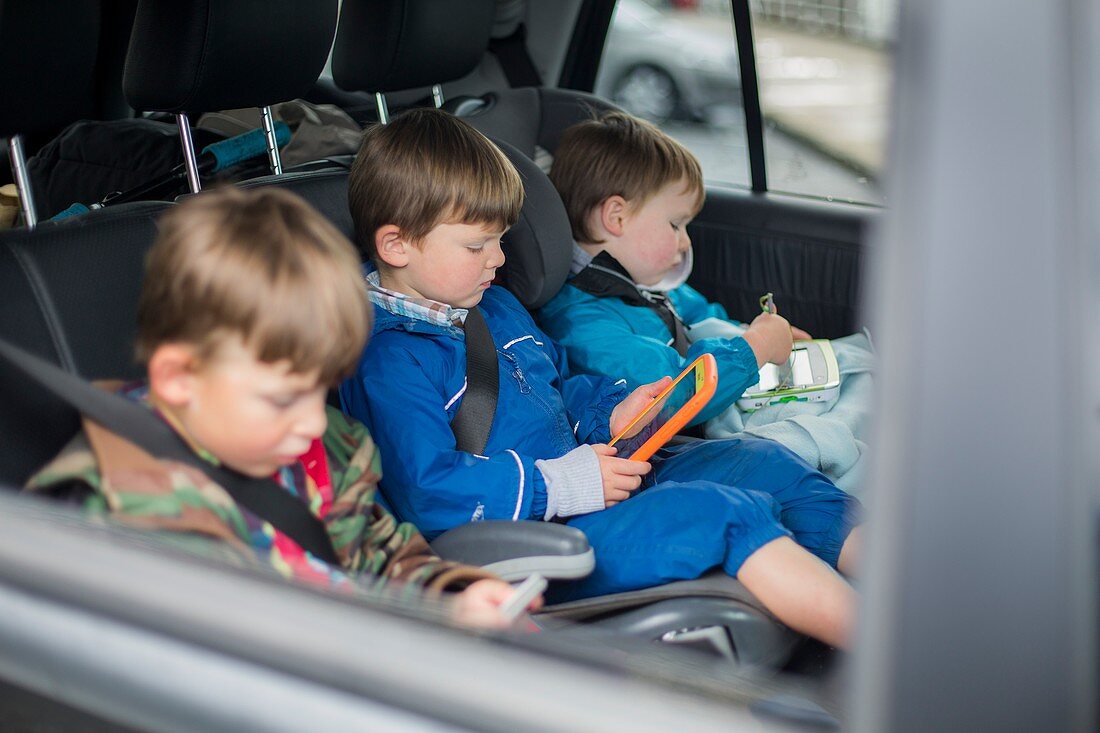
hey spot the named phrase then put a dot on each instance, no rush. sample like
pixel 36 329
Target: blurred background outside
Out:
pixel 825 70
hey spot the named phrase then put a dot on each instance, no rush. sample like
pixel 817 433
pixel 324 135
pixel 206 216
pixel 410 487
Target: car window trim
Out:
pixel 750 94
pixel 586 48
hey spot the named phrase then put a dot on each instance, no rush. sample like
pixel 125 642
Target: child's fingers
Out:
pixel 615 495
pixel 655 388
pixel 622 483
pixel 627 467
pixel 602 449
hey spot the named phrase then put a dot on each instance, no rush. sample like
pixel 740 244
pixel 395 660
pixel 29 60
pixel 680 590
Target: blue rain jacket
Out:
pixel 409 384
pixel 607 336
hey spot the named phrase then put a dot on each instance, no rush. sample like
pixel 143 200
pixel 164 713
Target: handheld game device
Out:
pixel 670 411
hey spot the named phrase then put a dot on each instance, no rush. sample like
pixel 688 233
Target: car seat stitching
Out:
pixel 46 306
pixel 204 57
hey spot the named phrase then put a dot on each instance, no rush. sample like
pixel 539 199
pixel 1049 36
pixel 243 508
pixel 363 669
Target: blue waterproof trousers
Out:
pixel 707 504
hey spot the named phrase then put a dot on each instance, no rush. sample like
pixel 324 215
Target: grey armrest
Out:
pixel 514 550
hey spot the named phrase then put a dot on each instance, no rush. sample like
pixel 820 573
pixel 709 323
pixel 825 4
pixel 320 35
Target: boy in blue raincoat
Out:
pixel 431 198
pixel 630 191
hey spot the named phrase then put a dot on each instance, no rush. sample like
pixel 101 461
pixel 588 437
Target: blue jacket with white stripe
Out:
pixel 609 336
pixel 409 384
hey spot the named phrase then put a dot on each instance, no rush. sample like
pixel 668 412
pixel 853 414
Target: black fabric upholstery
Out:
pixel 203 55
pixel 326 191
pixel 388 45
pixel 512 115
pixel 68 292
pixel 538 248
pixel 114 37
pixel 529 116
pixel 46 46
pixel 808 254
pixel 563 108
pixel 92 158
pixel 816 281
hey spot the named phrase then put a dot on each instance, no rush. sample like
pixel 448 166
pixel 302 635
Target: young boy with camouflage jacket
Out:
pixel 251 308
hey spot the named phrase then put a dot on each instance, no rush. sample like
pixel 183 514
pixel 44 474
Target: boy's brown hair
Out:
pixel 617 154
pixel 262 265
pixel 426 168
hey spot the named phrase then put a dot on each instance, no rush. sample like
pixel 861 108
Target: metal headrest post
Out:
pixel 383 108
pixel 22 182
pixel 273 158
pixel 189 160
pixel 437 95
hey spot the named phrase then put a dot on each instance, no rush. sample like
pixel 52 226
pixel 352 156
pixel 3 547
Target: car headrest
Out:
pixel 46 46
pixel 204 55
pixel 509 15
pixel 389 45
pixel 538 249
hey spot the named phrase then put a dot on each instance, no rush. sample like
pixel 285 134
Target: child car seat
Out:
pixel 68 290
pixel 716 612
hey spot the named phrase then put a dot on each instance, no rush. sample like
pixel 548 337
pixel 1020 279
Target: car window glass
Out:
pixel 674 62
pixel 215 598
pixel 825 69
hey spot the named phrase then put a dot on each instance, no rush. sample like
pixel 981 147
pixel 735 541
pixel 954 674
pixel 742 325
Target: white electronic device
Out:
pixel 811 374
pixel 526 592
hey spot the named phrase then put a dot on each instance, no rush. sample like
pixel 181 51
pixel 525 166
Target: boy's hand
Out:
pixel 633 405
pixel 799 335
pixel 479 605
pixel 769 336
pixel 621 477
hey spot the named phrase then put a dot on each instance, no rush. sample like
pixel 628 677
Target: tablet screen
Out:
pixel 801 373
pixel 681 394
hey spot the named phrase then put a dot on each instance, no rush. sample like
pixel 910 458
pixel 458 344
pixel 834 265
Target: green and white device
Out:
pixel 811 374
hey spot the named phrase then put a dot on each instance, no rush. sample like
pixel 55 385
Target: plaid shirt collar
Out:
pixel 422 309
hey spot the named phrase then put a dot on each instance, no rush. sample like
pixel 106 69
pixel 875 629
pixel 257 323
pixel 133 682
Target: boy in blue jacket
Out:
pixel 630 190
pixel 431 198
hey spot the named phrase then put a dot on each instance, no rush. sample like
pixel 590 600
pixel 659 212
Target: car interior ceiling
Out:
pixel 70 287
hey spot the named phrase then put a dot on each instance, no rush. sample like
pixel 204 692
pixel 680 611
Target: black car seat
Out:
pixel 385 46
pixel 221 54
pixel 44 47
pixel 105 149
pixel 68 290
pixel 208 55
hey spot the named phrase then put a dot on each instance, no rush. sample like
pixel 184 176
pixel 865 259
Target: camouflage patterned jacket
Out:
pixel 117 479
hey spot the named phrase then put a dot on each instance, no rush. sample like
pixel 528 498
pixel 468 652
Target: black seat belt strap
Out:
pixel 474 418
pixel 515 59
pixel 263 497
pixel 604 277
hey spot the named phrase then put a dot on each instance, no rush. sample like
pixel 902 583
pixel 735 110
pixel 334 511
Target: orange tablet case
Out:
pixel 704 371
